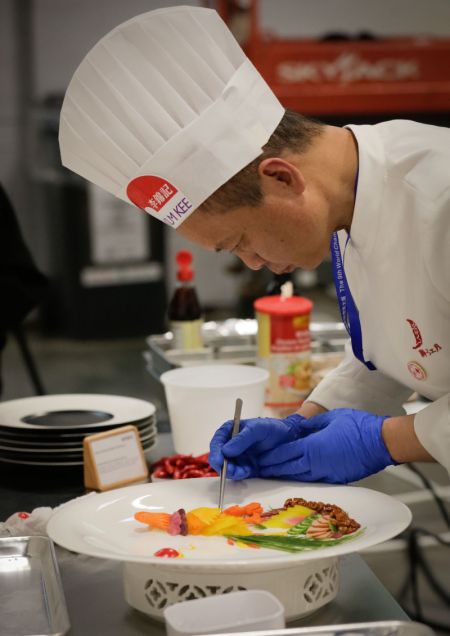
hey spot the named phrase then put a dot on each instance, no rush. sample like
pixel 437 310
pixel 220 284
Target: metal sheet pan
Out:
pixel 381 628
pixel 32 600
pixel 233 340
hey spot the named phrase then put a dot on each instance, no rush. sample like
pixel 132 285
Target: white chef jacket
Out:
pixel 397 264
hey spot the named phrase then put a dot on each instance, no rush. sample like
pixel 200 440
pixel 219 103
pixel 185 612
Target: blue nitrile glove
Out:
pixel 344 445
pixel 255 436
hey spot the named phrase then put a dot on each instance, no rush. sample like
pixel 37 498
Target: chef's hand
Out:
pixel 344 445
pixel 256 436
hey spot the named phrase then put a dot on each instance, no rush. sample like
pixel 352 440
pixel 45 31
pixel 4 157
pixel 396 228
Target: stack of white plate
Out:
pixel 49 430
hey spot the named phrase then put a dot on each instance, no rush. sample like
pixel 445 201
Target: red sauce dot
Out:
pixel 169 553
pixel 23 515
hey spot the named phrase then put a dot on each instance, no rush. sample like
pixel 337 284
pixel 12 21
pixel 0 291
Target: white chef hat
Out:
pixel 164 110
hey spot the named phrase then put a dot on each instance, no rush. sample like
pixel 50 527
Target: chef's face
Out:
pixel 282 233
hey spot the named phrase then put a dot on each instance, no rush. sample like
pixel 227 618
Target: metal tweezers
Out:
pixel 223 472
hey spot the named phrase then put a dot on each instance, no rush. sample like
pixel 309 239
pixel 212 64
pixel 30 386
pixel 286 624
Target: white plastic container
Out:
pixel 234 612
pixel 200 399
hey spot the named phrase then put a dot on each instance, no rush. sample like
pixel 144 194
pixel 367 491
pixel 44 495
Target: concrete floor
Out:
pixel 117 367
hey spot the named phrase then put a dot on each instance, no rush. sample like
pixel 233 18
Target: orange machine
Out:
pixel 339 77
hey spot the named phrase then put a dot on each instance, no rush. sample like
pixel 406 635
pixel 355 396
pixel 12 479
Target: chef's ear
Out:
pixel 279 176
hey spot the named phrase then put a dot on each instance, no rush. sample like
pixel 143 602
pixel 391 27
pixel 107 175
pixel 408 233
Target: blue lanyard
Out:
pixel 349 311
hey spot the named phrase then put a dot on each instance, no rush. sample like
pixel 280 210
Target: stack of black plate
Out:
pixel 49 430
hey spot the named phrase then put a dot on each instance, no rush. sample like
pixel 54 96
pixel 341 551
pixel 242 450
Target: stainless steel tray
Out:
pixel 382 628
pixel 32 600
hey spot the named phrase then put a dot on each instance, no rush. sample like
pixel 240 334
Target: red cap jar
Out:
pixel 284 348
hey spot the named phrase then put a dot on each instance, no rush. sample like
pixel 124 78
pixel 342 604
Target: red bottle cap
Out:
pixel 282 306
pixel 184 260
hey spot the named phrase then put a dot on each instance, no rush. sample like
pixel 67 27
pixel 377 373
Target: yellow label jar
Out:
pixel 284 348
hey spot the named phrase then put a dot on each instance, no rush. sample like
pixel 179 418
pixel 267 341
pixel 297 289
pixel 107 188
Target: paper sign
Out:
pixel 114 458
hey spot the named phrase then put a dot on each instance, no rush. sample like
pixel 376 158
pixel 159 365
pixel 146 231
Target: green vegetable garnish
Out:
pixel 292 543
pixel 302 527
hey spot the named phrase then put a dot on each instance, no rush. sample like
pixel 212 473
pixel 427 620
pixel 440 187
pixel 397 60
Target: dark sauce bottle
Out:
pixel 185 312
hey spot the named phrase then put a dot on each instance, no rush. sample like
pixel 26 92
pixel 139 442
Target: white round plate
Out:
pixel 21 462
pixel 59 436
pixel 76 447
pixel 29 461
pixel 44 451
pixel 124 410
pixel 104 525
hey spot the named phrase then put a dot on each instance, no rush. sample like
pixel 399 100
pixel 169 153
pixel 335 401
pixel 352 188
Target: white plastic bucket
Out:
pixel 201 398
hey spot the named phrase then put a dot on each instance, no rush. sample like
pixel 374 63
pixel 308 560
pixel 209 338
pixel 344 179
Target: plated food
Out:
pixel 297 526
pixel 104 525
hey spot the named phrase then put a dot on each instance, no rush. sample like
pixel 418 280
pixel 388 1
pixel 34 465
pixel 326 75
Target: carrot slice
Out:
pixel 245 511
pixel 159 520
pixel 235 511
pixel 254 507
pixel 251 513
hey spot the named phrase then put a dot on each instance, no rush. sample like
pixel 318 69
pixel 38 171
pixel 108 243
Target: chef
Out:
pixel 167 113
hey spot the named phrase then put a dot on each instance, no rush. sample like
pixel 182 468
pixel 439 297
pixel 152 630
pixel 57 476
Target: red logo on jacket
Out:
pixel 416 333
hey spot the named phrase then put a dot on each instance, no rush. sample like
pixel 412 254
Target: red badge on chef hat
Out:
pixel 417 370
pixel 160 198
pixel 150 193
